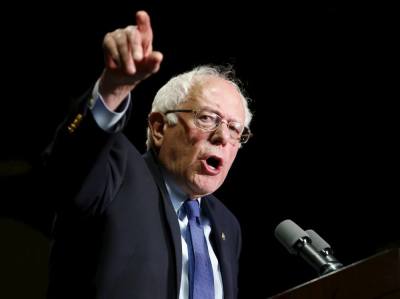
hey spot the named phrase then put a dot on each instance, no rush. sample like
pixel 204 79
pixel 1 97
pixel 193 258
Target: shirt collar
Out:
pixel 175 193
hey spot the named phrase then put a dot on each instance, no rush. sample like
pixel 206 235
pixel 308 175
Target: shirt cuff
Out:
pixel 104 117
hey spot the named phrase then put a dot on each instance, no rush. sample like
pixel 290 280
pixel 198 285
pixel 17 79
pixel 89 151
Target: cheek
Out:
pixel 186 156
pixel 196 137
pixel 191 146
pixel 232 155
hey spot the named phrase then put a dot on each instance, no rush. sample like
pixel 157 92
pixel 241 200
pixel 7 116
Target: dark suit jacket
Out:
pixel 116 234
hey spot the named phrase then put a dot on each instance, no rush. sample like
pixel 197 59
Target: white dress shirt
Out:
pixel 104 117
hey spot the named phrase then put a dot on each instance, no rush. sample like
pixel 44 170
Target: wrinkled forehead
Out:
pixel 217 94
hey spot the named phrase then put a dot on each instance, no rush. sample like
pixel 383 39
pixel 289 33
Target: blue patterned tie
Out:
pixel 201 279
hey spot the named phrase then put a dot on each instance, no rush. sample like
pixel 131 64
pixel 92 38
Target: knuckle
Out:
pixel 130 28
pixel 107 38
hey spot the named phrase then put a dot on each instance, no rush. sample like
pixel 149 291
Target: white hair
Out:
pixel 177 89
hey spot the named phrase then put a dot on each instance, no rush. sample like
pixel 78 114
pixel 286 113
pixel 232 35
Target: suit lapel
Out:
pixel 170 214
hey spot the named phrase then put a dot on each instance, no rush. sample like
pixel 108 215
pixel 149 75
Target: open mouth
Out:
pixel 214 162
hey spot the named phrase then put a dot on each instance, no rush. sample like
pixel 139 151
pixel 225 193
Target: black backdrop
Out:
pixel 322 82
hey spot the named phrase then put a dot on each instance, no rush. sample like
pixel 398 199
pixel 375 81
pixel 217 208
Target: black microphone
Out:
pixel 298 242
pixel 325 250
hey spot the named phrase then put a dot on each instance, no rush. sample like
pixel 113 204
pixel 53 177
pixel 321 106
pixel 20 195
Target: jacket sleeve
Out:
pixel 84 164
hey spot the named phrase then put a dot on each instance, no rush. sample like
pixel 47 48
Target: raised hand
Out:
pixel 129 58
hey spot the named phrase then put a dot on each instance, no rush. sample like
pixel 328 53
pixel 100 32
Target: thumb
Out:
pixel 153 62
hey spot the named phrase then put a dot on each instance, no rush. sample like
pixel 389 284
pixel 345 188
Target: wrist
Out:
pixel 112 91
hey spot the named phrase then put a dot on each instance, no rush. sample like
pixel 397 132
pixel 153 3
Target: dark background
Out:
pixel 322 79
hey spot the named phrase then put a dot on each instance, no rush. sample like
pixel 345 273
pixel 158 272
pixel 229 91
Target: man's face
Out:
pixel 200 160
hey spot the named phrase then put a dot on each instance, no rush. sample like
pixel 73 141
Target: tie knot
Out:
pixel 192 209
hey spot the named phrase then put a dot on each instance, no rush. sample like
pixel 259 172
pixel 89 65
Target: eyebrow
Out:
pixel 217 112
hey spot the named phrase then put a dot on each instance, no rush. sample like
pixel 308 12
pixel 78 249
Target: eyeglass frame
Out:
pixel 245 130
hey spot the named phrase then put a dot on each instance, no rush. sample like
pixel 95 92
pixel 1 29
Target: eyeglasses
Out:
pixel 210 121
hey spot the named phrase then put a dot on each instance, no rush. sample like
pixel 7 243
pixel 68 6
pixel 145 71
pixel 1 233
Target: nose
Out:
pixel 221 135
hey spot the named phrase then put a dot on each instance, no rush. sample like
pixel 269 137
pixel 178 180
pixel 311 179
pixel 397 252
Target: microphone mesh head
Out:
pixel 317 242
pixel 288 233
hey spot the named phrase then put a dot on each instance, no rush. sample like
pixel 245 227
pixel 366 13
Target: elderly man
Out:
pixel 133 226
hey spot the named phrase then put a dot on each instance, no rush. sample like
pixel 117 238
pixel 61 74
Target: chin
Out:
pixel 204 188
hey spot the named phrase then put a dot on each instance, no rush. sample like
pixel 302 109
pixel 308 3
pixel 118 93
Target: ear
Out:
pixel 156 125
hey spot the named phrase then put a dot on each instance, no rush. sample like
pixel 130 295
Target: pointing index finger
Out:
pixel 144 27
